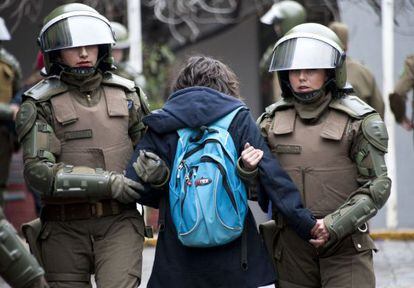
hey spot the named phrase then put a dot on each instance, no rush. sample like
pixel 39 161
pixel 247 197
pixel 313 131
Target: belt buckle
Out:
pixel 98 207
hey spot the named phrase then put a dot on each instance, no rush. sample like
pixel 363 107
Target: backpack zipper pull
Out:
pixel 188 180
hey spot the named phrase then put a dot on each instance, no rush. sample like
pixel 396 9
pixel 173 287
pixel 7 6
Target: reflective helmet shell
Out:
pixel 74 25
pixel 121 35
pixel 310 46
pixel 4 33
pixel 287 14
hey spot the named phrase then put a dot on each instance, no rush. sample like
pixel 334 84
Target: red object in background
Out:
pixel 19 205
pixel 151 218
pixel 40 63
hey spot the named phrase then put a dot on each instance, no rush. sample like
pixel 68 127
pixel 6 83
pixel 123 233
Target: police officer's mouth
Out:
pixel 304 88
pixel 84 64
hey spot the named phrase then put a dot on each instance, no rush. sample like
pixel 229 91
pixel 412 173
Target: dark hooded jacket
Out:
pixel 176 265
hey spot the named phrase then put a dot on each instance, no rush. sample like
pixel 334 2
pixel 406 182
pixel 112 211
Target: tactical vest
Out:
pixel 316 156
pixel 94 136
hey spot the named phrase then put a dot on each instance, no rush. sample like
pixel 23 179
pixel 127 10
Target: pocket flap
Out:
pixel 363 242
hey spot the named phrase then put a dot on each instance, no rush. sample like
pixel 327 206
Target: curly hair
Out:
pixel 208 72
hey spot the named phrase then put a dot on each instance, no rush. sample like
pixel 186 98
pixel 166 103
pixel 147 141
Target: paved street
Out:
pixel 394 264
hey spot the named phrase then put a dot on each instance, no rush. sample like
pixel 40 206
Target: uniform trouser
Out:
pixel 6 151
pixel 109 247
pixel 346 264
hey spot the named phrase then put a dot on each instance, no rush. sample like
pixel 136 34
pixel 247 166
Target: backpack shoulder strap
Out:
pixel 225 121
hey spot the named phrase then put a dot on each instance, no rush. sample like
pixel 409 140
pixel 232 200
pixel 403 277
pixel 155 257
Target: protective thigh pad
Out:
pixel 17 266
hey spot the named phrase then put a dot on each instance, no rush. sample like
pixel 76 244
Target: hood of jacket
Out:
pixel 191 107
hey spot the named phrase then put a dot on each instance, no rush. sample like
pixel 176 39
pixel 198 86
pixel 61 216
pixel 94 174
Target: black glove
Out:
pixel 151 169
pixel 124 189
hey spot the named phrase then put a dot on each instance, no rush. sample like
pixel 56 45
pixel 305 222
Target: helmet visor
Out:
pixel 75 32
pixel 304 53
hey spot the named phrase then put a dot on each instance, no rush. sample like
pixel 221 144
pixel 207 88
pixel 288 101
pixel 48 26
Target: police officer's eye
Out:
pixel 310 71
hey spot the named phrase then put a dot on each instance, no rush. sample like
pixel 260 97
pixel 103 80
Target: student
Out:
pixel 204 91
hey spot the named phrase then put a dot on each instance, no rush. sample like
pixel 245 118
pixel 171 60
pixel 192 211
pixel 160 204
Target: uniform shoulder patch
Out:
pixel 353 106
pixel 46 88
pixel 26 118
pixel 115 80
pixel 271 109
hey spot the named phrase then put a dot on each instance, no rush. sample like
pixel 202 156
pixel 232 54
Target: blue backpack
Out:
pixel 208 200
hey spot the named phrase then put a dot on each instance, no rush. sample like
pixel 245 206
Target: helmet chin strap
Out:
pixel 312 96
pixel 81 72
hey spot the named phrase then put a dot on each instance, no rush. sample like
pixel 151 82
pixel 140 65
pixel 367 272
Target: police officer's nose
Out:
pixel 83 53
pixel 302 75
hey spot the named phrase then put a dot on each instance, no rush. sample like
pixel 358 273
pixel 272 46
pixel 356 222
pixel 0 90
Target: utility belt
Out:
pixel 81 211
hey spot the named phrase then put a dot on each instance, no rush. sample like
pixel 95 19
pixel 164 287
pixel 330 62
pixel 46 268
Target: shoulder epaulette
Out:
pixel 115 80
pixel 9 59
pixel 352 105
pixel 271 109
pixel 46 88
pixel 279 105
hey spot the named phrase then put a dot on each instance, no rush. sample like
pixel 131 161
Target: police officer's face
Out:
pixel 307 80
pixel 85 56
pixel 118 55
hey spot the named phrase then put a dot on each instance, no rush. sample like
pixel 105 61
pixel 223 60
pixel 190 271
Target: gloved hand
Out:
pixel 151 169
pixel 124 189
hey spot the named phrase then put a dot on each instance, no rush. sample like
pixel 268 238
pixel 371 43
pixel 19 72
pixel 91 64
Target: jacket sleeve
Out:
pixel 274 181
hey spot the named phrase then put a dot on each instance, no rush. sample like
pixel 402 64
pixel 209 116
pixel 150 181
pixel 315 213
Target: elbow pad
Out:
pixel 39 177
pixel 17 266
pixel 379 190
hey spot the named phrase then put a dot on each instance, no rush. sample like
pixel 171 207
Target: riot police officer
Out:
pixel 282 16
pixel 358 75
pixel 78 128
pixel 120 53
pixel 10 77
pixel 398 97
pixel 332 145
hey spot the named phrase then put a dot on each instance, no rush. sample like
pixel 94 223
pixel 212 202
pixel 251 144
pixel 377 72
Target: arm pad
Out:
pixel 358 209
pixel 82 181
pixel 17 266
pixel 355 212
